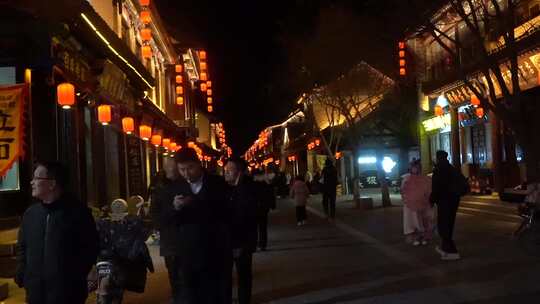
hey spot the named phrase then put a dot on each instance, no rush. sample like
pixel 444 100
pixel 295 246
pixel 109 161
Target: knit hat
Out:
pixel 119 209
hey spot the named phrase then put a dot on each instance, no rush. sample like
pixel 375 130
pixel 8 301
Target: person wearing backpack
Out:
pixel 448 185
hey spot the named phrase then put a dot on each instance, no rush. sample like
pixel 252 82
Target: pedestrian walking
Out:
pixel 448 185
pixel 201 215
pixel 266 203
pixel 300 194
pixel 165 222
pixel 123 249
pixel 329 184
pixel 243 196
pixel 57 243
pixel 417 210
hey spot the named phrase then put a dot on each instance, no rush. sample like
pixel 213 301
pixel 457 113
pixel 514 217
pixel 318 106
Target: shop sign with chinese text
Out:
pixel 11 125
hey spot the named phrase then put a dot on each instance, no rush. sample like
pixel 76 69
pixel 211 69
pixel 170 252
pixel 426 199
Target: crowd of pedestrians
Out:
pixel 208 225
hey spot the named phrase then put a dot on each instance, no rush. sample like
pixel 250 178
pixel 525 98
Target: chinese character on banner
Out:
pixel 11 125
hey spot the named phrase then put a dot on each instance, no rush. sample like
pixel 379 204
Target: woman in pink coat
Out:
pixel 415 191
pixel 300 193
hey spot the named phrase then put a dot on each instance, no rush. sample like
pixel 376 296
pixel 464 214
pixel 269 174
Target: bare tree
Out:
pixel 343 103
pixel 484 39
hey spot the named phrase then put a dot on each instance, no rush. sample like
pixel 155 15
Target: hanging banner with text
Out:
pixel 11 125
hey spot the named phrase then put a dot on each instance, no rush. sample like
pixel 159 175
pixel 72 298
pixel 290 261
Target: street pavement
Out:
pixel 363 258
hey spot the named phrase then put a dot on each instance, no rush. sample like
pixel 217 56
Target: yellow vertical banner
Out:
pixel 11 125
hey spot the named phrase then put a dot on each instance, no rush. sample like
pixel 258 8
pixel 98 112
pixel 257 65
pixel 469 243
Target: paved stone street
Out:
pixel 363 258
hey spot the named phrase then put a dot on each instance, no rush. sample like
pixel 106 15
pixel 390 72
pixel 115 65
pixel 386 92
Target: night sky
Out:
pixel 263 54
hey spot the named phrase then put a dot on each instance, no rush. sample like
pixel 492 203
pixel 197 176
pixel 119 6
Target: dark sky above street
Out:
pixel 264 54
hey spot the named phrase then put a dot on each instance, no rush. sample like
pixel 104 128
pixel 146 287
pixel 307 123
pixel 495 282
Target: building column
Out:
pixel 456 150
pixel 496 152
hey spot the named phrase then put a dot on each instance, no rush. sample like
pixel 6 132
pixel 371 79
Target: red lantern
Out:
pixel 438 110
pixel 179 79
pixel 178 68
pixel 204 76
pixel 210 109
pixel 65 93
pixel 144 2
pixel 203 66
pixel 146 51
pixel 104 114
pixel 128 125
pixel 401 45
pixel 172 146
pixel 180 100
pixel 317 142
pixel 166 142
pixel 146 34
pixel 179 90
pixel 145 17
pixel 145 132
pixel 209 92
pixel 401 54
pixel 475 101
pixel 156 140
pixel 209 100
pixel 203 87
pixel 480 112
pixel 402 72
pixel 209 84
pixel 202 55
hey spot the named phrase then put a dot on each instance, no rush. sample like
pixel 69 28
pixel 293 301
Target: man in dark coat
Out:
pixel 448 184
pixel 58 242
pixel 266 202
pixel 198 208
pixel 164 221
pixel 329 184
pixel 244 194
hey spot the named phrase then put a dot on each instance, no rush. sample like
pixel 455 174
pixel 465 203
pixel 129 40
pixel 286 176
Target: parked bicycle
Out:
pixel 527 234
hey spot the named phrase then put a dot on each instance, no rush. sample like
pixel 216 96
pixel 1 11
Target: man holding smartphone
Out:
pixel 201 215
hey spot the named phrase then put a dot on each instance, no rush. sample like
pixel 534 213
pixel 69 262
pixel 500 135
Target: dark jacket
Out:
pixel 330 180
pixel 57 246
pixel 266 197
pixel 245 198
pixel 202 227
pixel 162 213
pixel 124 243
pixel 444 181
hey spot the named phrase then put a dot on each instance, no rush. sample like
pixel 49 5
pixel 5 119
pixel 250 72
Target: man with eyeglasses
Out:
pixel 57 243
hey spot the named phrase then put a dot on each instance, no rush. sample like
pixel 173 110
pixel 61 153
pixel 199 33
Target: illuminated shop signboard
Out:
pixel 436 123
